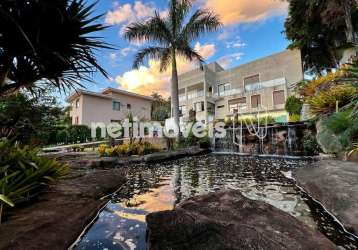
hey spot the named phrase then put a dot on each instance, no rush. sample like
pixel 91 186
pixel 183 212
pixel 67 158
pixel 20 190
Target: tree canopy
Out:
pixel 320 28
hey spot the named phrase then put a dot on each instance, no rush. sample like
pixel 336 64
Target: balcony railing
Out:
pixel 267 84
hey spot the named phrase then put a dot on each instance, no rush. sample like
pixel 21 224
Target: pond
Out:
pixel 158 187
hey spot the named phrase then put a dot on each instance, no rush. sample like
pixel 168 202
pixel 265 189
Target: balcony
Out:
pixel 267 84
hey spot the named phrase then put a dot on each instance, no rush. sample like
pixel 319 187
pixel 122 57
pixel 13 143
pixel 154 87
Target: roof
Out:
pixel 104 94
pixel 124 92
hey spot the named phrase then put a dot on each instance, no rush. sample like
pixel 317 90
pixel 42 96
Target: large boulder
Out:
pixel 228 220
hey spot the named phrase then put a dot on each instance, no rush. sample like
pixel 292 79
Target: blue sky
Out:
pixel 252 29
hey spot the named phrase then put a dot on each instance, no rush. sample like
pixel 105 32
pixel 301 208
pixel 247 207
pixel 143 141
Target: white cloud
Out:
pixel 245 11
pixel 226 61
pixel 149 79
pixel 124 14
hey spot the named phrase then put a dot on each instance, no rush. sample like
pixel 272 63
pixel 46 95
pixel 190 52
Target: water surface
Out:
pixel 158 187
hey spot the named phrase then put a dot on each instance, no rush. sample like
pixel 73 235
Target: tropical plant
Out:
pixel 23 173
pixel 293 105
pixel 326 101
pixel 320 28
pixel 47 43
pixel 135 148
pixel 160 108
pixel 294 118
pixel 310 144
pixel 172 38
pixel 33 120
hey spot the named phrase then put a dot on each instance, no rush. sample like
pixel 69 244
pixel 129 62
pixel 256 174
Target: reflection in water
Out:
pixel 159 187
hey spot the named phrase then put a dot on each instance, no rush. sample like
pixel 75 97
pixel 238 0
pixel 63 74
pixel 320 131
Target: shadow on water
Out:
pixel 158 187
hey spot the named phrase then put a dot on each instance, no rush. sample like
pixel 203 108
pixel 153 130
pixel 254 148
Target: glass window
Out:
pixel 278 97
pixel 77 104
pixel 199 106
pixel 237 105
pixel 224 89
pixel 252 83
pixel 129 106
pixel 182 110
pixel 116 106
pixel 255 101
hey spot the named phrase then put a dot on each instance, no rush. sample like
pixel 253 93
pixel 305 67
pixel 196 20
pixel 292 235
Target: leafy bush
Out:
pixel 310 144
pixel 205 142
pixel 344 126
pixel 79 133
pixel 23 173
pixel 294 118
pixel 137 148
pixel 293 105
pixel 325 101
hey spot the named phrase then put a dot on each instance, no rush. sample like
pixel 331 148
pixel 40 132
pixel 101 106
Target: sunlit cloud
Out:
pixel 124 14
pixel 226 61
pixel 245 11
pixel 149 79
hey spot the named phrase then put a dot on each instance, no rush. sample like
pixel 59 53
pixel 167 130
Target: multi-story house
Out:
pixel 261 85
pixel 111 105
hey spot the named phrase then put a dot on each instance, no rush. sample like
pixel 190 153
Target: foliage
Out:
pixel 293 105
pixel 354 150
pixel 310 144
pixel 170 37
pixel 229 121
pixel 319 28
pixel 47 43
pixel 160 108
pixel 23 173
pixel 325 102
pixel 344 126
pixel 205 142
pixel 34 120
pixel 294 118
pixel 136 148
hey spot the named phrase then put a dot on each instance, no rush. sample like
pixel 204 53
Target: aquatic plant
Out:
pixel 23 173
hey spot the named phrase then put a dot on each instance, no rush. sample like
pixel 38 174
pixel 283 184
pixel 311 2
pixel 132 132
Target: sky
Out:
pixel 251 29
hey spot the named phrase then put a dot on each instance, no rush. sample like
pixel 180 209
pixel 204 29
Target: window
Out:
pixel 237 105
pixel 199 106
pixel 224 89
pixel 278 97
pixel 116 106
pixel 129 106
pixel 252 83
pixel 255 101
pixel 211 108
pixel 77 120
pixel 77 104
pixel 182 110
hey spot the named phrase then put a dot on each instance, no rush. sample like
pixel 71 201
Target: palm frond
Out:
pixel 153 30
pixel 190 54
pixel 155 53
pixel 202 21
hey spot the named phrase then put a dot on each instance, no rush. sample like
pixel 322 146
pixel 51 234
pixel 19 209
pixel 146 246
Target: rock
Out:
pixel 327 140
pixel 335 184
pixel 57 217
pixel 228 220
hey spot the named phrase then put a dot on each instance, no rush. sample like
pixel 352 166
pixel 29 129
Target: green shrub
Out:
pixel 344 126
pixel 205 142
pixel 294 118
pixel 23 173
pixel 325 102
pixel 310 144
pixel 293 105
pixel 79 133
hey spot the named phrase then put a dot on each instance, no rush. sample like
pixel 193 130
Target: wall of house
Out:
pixel 100 109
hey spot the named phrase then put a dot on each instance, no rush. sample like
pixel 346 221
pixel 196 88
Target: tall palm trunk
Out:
pixel 348 20
pixel 174 91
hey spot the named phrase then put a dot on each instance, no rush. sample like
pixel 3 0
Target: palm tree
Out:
pixel 47 44
pixel 172 37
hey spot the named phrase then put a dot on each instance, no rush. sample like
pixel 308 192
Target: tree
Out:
pixel 33 120
pixel 172 37
pixel 47 43
pixel 320 28
pixel 160 108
